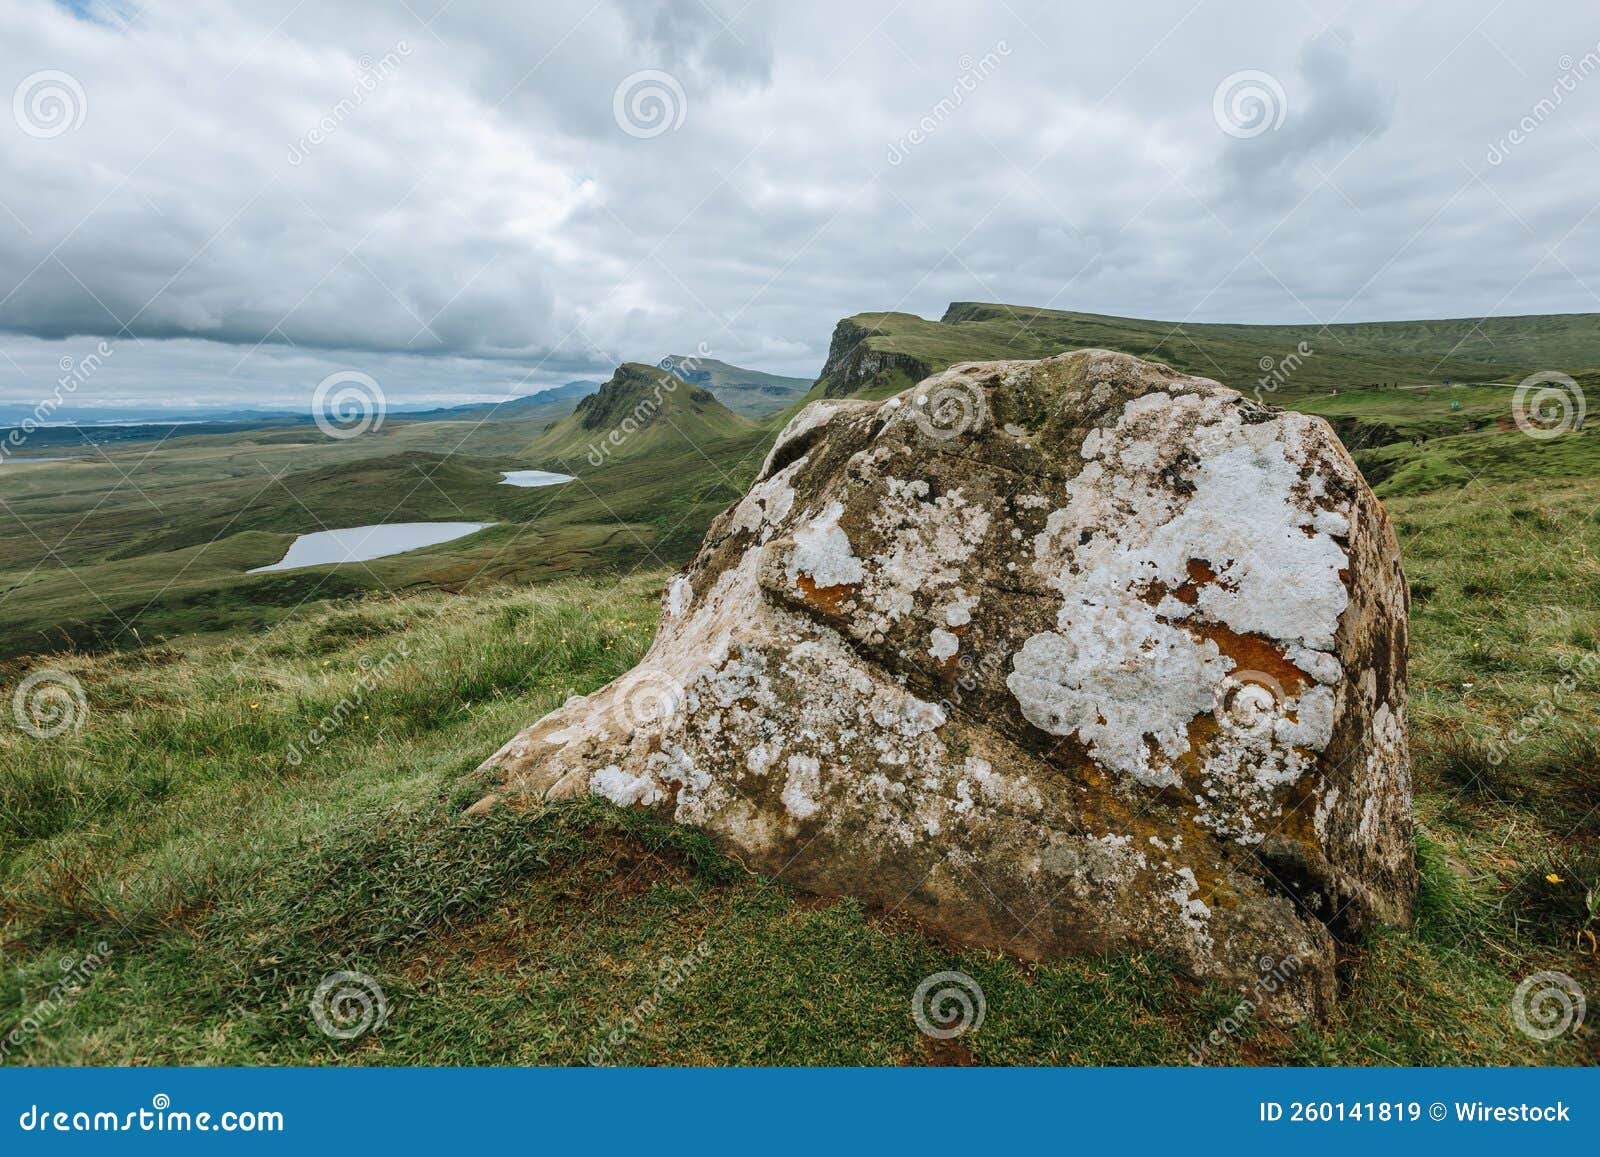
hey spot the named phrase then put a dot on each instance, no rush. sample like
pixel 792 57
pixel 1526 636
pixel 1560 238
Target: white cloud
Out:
pixel 471 218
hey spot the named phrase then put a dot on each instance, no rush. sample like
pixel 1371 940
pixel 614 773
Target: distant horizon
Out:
pixel 297 390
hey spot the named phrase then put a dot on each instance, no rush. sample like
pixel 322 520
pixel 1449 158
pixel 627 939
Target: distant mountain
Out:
pixel 877 354
pixel 640 410
pixel 749 392
pixel 551 403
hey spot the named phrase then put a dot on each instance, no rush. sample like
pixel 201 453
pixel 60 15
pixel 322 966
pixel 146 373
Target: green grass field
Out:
pixel 266 784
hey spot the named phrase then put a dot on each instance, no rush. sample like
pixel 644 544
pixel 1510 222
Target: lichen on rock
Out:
pixel 1069 656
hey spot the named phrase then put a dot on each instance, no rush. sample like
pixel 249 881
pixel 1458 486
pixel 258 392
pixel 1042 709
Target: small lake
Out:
pixel 533 478
pixel 363 543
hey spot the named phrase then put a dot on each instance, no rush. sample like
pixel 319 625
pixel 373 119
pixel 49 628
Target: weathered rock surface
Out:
pixel 1068 656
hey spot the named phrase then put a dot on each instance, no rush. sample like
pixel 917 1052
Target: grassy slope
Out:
pixel 749 393
pixel 1468 350
pixel 634 415
pixel 228 880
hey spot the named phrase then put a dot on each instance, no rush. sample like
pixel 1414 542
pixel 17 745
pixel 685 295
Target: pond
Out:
pixel 363 543
pixel 532 478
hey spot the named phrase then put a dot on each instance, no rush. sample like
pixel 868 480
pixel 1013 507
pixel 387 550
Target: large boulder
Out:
pixel 1065 656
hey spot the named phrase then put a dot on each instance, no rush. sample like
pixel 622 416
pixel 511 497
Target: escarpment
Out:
pixel 854 366
pixel 1071 656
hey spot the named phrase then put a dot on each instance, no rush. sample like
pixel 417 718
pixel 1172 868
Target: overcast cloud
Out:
pixel 240 197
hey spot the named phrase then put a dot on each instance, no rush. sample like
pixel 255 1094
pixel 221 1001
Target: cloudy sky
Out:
pixel 472 199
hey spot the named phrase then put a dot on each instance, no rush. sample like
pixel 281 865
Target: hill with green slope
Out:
pixel 876 354
pixel 641 411
pixel 749 392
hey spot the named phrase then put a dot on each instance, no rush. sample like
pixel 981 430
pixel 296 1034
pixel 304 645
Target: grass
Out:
pixel 227 879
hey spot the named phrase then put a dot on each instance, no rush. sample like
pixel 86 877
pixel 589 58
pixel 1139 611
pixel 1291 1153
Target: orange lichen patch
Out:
pixel 1296 818
pixel 1295 821
pixel 1200 574
pixel 1253 653
pixel 1201 731
pixel 828 600
pixel 1103 809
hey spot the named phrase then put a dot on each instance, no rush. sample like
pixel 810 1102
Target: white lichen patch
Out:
pixel 801 788
pixel 623 789
pixel 812 417
pixel 1113 681
pixel 1128 666
pixel 680 594
pixel 1194 913
pixel 926 545
pixel 822 551
pixel 768 503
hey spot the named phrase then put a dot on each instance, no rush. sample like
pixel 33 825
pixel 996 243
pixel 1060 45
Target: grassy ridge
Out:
pixel 1291 359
